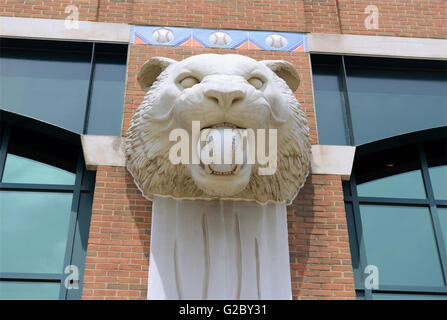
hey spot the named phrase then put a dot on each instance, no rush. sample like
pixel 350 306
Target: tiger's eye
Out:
pixel 189 82
pixel 256 82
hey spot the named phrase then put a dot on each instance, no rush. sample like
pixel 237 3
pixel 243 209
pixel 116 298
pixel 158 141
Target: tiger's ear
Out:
pixel 285 70
pixel 151 69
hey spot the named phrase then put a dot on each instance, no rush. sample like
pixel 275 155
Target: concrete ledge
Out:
pixel 336 160
pixel 399 47
pixel 55 29
pixel 103 151
pixel 109 151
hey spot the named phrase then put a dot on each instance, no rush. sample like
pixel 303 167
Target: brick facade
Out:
pixel 118 247
pixel 320 260
pixel 119 242
pixel 400 18
pixel 319 247
pixel 403 18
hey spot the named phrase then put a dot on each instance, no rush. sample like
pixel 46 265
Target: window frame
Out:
pixel 351 198
pixel 343 63
pixel 93 51
pixel 83 185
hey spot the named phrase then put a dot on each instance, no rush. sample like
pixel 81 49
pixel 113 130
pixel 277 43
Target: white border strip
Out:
pixel 109 151
pixel 398 47
pixel 103 151
pixel 336 160
pixel 55 29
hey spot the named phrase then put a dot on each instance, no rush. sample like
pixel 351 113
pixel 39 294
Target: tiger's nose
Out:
pixel 225 98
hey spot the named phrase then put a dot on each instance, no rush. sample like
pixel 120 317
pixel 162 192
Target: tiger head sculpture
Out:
pixel 218 91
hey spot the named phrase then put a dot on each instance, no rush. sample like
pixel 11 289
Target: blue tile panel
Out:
pixel 214 38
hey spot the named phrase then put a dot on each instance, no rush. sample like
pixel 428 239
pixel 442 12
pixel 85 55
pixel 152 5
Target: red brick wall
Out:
pixel 405 18
pixel 48 9
pixel 320 259
pixel 409 18
pixel 321 16
pixel 118 246
pixel 118 11
pixel 402 18
pixel 118 251
pixel 283 15
pixel 119 242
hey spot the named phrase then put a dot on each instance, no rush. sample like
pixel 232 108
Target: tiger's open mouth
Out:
pixel 222 149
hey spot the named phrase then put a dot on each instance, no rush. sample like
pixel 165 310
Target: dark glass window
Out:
pixel 45 209
pixel 377 98
pixel 32 159
pixel 400 296
pixel 108 85
pixel 437 167
pixel 29 290
pixel 394 173
pixel 400 241
pixel 73 85
pixel 397 216
pixel 330 113
pixel 389 97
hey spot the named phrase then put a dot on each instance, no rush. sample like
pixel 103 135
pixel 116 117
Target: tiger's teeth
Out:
pixel 228 138
pixel 222 173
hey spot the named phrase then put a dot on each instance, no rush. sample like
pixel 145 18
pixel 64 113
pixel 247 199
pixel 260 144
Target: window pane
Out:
pixel 402 185
pixel 438 177
pixel 355 256
pixel 46 80
pixel 107 99
pixel 403 296
pixel 33 231
pixel 442 214
pixel 25 290
pixel 395 173
pixel 400 241
pixel 390 97
pixel 40 159
pixel 328 100
pixel 437 161
pixel 360 295
pixel 23 170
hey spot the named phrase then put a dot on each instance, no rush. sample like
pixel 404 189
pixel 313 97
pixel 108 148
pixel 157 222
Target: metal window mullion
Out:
pixel 441 202
pixel 346 105
pixel 4 148
pixel 72 224
pixel 42 277
pixel 413 289
pixel 37 187
pixel 393 201
pixel 442 250
pixel 358 277
pixel 89 92
pixel 359 233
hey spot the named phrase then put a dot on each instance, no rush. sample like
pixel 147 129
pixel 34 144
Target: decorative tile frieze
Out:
pixel 214 38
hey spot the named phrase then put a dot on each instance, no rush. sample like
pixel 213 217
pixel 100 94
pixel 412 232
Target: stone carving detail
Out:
pixel 217 90
pixel 222 248
pixel 218 250
pixel 163 35
pixel 220 38
pixel 276 41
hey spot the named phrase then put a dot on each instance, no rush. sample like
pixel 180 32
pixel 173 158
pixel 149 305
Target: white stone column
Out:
pixel 218 249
